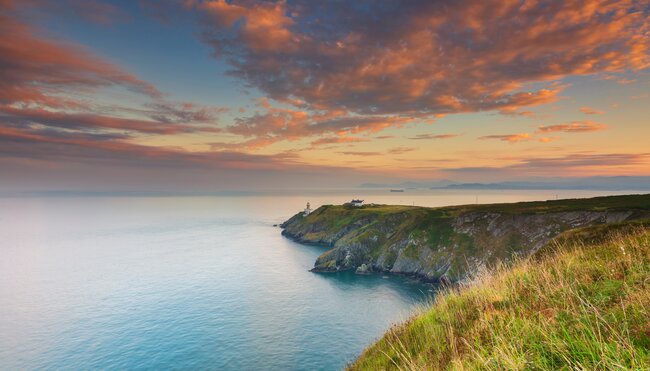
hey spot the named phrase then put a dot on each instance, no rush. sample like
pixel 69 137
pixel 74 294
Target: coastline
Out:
pixel 448 244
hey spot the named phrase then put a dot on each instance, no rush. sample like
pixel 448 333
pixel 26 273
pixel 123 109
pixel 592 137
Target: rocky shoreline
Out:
pixel 447 244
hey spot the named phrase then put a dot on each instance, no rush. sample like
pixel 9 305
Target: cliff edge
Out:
pixel 448 243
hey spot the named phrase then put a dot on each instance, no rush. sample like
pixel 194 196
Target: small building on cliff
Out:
pixel 356 202
pixel 307 210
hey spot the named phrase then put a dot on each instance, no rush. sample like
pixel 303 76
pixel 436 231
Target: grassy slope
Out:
pixel 334 217
pixel 576 304
pixel 433 227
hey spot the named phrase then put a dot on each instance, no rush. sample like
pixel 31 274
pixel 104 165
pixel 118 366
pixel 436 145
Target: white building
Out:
pixel 307 210
pixel 356 202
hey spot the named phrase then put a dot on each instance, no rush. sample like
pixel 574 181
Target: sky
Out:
pixel 212 95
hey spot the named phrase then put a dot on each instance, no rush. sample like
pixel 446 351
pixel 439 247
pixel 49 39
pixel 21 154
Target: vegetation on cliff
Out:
pixel 580 302
pixel 449 243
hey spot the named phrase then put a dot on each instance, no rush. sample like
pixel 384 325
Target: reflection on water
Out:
pixel 204 282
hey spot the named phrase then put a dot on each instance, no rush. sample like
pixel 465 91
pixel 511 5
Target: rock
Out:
pixel 363 269
pixel 449 243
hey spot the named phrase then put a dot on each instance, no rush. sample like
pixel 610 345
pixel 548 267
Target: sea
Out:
pixel 194 282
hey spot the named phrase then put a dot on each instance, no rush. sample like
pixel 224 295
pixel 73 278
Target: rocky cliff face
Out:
pixel 448 243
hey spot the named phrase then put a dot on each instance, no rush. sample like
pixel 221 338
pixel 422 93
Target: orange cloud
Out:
pixel 424 59
pixel 573 127
pixel 264 26
pixel 590 111
pixel 510 138
pixel 337 140
pixel 292 124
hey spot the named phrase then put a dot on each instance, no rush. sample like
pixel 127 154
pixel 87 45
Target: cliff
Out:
pixel 448 243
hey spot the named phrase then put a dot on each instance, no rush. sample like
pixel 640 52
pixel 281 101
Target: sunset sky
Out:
pixel 211 95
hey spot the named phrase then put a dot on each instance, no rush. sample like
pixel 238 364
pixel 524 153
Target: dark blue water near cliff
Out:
pixel 187 283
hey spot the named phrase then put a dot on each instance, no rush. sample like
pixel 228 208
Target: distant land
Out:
pixel 611 183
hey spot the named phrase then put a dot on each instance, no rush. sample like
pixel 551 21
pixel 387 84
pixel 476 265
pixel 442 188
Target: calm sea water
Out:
pixel 191 283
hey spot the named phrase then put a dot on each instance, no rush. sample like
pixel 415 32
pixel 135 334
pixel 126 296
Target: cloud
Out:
pixel 35 69
pixel 88 121
pixel 573 164
pixel 50 89
pixel 626 81
pixel 276 123
pixel 590 111
pixel 401 150
pixel 510 138
pixel 185 112
pixel 579 160
pixel 104 149
pixel 618 79
pixel 435 136
pixel 573 127
pixel 422 58
pixel 513 112
pixel 360 153
pixel 337 140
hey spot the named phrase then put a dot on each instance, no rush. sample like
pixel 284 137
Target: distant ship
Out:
pixel 397 190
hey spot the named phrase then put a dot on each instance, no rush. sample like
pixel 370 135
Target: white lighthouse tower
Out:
pixel 307 210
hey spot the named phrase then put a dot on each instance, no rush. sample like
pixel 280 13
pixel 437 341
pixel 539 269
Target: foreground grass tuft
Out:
pixel 580 305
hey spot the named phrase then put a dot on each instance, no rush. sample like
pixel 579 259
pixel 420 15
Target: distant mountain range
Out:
pixel 594 183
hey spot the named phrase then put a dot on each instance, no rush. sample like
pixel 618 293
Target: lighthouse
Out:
pixel 307 210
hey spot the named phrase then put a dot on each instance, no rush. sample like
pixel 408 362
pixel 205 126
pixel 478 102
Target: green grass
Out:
pixel 338 216
pixel 376 230
pixel 582 302
pixel 623 202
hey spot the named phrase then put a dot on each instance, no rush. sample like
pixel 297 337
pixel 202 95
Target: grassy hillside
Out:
pixel 448 243
pixel 333 218
pixel 582 302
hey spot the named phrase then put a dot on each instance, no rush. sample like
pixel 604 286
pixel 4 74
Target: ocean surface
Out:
pixel 193 283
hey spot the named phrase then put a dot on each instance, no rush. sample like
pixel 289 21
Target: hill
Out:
pixel 580 302
pixel 449 243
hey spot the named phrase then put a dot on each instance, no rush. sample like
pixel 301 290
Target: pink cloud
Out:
pixel 435 136
pixel 41 78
